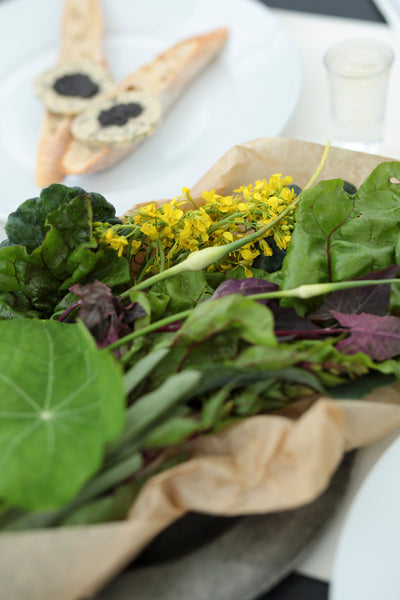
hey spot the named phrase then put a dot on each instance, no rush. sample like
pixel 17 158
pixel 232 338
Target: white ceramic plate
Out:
pixel 250 91
pixel 367 559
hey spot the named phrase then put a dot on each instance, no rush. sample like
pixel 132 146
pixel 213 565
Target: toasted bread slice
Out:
pixel 165 78
pixel 81 39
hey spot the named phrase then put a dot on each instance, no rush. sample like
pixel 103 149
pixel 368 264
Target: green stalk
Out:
pixel 302 291
pixel 318 289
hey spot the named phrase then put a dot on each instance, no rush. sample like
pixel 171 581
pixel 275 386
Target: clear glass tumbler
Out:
pixel 358 74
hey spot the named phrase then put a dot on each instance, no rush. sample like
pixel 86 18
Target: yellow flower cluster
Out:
pixel 157 237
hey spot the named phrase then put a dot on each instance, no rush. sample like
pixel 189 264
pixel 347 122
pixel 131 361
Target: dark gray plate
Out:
pixel 204 557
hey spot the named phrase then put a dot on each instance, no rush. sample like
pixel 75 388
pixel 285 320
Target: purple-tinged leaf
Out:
pixel 103 314
pixel 289 325
pixel 372 299
pixel 245 287
pixel 375 335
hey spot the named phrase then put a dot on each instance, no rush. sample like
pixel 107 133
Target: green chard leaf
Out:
pixel 57 415
pixel 339 236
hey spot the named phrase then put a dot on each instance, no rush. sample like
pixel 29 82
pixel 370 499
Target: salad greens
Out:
pixel 341 236
pixel 102 381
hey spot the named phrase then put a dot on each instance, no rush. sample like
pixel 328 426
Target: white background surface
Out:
pixel 375 573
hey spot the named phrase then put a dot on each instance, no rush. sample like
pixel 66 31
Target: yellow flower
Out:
pixel 135 246
pixel 149 230
pixel 248 254
pixel 168 233
pixel 267 251
pixel 221 220
pixel 149 210
pixel 227 236
pixel 210 196
pixel 170 214
pixel 185 237
pixel 116 242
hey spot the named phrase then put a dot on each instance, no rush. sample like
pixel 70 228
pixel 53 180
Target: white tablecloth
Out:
pixel 311 121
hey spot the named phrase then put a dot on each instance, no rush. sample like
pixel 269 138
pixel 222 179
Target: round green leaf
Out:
pixel 61 400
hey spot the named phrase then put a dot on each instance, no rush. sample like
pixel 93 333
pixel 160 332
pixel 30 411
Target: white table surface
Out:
pixel 311 121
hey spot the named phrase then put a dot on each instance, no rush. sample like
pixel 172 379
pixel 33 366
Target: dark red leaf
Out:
pixel 375 335
pixel 103 314
pixel 372 299
pixel 289 325
pixel 246 287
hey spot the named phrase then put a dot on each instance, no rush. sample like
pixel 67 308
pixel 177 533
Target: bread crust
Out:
pixel 81 39
pixel 166 77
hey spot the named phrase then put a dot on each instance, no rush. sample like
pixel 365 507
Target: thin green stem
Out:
pixel 319 168
pixel 228 219
pixel 189 197
pixel 149 328
pixel 161 255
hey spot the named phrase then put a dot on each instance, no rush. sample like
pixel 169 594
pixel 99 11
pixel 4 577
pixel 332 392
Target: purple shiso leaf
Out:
pixel 103 314
pixel 371 299
pixel 375 335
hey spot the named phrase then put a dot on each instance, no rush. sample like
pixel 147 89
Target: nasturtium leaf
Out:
pixel 61 401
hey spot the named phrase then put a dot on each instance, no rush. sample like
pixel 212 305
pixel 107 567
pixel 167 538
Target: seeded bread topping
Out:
pixel 120 120
pixel 70 87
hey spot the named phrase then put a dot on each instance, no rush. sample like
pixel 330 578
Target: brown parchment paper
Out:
pixel 264 464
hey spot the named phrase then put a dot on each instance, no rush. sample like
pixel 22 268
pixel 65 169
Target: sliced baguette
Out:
pixel 165 78
pixel 81 39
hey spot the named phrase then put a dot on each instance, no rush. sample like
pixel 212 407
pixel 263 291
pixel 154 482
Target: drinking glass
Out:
pixel 358 73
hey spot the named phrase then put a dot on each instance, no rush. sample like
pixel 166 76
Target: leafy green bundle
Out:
pixel 102 381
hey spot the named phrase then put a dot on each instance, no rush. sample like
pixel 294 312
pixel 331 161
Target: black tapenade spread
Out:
pixel 69 88
pixel 119 114
pixel 76 84
pixel 118 119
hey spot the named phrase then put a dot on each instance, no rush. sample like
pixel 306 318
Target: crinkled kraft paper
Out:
pixel 265 463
